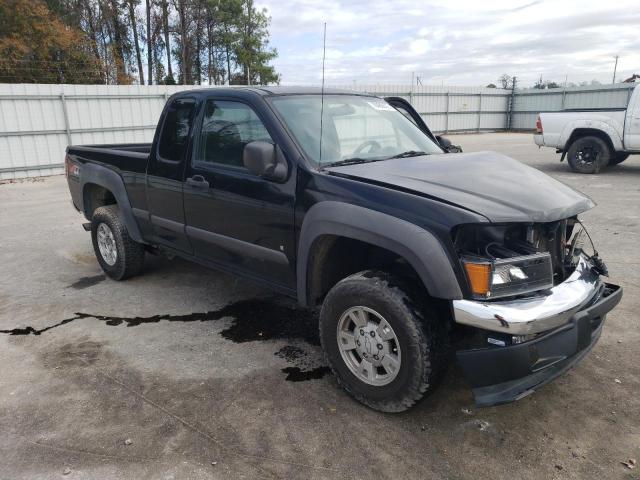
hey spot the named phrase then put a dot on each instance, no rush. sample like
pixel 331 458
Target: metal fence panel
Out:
pixel 37 122
pixel 528 103
pixel 448 108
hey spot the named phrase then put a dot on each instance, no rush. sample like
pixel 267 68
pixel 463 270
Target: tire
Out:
pixel 619 157
pixel 415 328
pixel 588 155
pixel 118 255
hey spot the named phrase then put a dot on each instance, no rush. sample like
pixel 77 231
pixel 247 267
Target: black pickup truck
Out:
pixel 346 201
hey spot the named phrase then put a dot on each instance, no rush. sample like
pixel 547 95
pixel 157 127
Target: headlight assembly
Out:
pixel 508 276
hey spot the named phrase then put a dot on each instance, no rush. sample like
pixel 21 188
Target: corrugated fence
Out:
pixel 37 122
pixel 528 104
pixel 450 109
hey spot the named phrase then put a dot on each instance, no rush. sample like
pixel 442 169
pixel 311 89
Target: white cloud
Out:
pixel 419 46
pixel 463 42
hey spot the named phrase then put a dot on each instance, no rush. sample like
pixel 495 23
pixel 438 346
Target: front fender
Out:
pixel 419 247
pixel 107 178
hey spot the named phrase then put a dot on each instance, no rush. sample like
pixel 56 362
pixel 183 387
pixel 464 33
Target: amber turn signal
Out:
pixel 479 275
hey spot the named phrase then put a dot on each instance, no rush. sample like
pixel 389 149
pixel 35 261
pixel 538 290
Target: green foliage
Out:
pixel 36 46
pixel 114 41
pixel 253 53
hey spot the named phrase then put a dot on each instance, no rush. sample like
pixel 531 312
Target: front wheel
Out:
pixel 119 256
pixel 588 155
pixel 380 343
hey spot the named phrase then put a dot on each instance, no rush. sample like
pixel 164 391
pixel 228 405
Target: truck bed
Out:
pixel 557 125
pixel 129 157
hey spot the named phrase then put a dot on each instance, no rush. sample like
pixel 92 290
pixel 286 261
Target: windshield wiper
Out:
pixel 409 153
pixel 357 160
pixel 348 161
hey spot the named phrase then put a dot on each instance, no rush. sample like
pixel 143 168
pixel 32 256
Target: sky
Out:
pixel 454 42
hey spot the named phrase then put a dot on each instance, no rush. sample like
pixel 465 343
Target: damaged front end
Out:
pixel 536 301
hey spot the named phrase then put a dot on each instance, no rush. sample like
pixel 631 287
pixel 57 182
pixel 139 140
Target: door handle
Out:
pixel 197 181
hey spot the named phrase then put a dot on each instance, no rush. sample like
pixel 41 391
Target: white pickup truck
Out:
pixel 592 139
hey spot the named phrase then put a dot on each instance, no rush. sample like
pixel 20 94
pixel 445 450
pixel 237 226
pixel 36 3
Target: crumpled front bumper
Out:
pixel 535 314
pixel 567 322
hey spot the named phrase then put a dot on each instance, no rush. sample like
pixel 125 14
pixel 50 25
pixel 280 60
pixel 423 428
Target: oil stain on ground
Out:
pixel 306 366
pixel 257 319
pixel 86 282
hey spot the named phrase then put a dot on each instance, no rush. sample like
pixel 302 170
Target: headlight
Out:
pixel 508 276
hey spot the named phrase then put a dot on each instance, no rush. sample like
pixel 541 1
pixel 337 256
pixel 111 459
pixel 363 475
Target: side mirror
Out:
pixel 444 142
pixel 265 160
pixel 447 146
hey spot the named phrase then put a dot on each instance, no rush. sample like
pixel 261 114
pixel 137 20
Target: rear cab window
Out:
pixel 174 137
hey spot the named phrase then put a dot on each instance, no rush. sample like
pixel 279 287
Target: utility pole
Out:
pixel 615 67
pixel 514 82
pixel 411 88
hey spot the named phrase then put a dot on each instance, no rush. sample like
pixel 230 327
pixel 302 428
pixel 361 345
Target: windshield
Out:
pixel 354 129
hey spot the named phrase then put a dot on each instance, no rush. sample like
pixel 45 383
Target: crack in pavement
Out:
pixel 253 320
pixel 205 433
pixel 33 331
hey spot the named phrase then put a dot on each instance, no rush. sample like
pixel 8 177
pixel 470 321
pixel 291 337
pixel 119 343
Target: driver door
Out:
pixel 632 124
pixel 235 219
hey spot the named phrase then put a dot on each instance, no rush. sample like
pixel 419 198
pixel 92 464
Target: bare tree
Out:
pixel 506 81
pixel 132 4
pixel 167 44
pixel 150 62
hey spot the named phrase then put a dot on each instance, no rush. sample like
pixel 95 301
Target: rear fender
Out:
pixel 609 127
pixel 106 178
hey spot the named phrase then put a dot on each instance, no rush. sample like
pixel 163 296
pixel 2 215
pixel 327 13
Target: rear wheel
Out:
pixel 588 155
pixel 619 157
pixel 119 256
pixel 379 341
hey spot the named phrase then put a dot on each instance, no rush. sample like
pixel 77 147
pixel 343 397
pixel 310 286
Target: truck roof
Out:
pixel 271 90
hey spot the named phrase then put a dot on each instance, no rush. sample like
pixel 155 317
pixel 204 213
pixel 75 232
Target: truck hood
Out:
pixel 488 183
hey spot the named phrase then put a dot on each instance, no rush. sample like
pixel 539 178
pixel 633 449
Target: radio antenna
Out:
pixel 324 53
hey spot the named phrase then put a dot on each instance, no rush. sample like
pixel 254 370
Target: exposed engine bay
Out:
pixel 515 259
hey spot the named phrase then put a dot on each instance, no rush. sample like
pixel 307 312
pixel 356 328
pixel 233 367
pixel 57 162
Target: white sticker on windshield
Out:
pixel 381 105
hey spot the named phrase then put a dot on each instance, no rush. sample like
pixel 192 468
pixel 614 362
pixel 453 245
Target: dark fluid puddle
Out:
pixel 86 282
pixel 296 374
pixel 291 353
pixel 253 320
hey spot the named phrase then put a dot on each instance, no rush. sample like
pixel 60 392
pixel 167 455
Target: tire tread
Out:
pixel 131 254
pixel 423 330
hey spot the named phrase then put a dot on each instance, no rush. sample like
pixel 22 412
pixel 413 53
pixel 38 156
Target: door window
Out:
pixel 227 127
pixel 175 131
